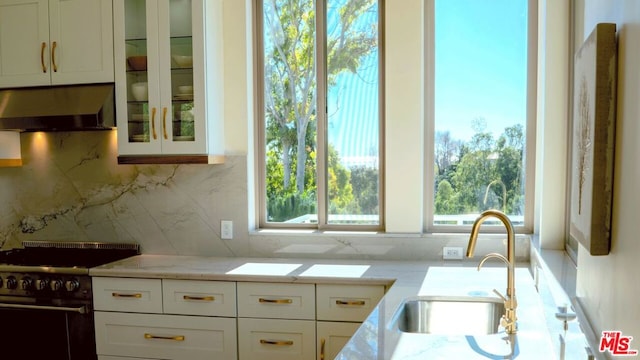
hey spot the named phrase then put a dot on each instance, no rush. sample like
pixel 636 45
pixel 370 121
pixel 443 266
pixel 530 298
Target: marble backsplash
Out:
pixel 71 188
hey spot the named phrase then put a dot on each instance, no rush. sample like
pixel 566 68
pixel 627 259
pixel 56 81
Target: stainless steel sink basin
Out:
pixel 450 315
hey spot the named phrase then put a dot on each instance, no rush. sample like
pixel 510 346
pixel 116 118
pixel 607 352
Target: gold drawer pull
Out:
pixel 137 296
pixel 350 302
pixel 275 301
pixel 164 123
pixel 153 123
pixel 174 338
pixel 44 67
pixel 53 56
pixel 199 298
pixel 276 342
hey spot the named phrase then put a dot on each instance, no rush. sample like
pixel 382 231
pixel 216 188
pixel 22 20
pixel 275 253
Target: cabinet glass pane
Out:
pixel 181 44
pixel 137 77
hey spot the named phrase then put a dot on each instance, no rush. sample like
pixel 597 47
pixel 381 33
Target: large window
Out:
pixel 319 113
pixel 484 112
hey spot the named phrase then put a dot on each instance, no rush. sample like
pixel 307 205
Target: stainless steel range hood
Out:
pixel 58 108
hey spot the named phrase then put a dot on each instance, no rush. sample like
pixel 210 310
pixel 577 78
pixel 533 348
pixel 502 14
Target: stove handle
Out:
pixel 80 310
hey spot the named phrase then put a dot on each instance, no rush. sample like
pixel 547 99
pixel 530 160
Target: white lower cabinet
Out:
pixel 276 321
pixel 341 309
pixel 165 336
pixel 277 301
pixel 276 339
pixel 164 319
pixel 332 337
pixel 173 319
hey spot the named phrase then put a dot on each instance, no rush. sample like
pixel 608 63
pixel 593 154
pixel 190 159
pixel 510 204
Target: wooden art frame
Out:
pixel 593 140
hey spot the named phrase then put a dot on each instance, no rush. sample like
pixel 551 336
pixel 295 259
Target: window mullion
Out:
pixel 321 113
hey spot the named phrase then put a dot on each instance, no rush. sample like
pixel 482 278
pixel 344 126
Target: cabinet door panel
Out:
pixel 165 336
pixel 347 302
pixel 24 43
pixel 268 339
pixel 204 298
pixel 332 336
pixel 271 300
pixel 124 294
pixel 81 40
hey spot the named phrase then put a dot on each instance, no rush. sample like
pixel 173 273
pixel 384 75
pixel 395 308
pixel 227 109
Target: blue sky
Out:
pixel 480 64
pixel 481 56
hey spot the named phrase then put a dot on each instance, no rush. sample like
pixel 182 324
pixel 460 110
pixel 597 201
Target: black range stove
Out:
pixel 56 269
pixel 46 300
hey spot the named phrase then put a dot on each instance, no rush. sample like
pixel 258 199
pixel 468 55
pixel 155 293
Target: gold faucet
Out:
pixel 509 318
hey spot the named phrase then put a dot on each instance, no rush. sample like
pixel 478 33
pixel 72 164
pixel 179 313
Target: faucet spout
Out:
pixel 510 303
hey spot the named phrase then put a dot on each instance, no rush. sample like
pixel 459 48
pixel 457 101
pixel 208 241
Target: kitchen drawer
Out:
pixel 127 294
pixel 267 339
pixel 165 336
pixel 347 302
pixel 196 297
pixel 276 300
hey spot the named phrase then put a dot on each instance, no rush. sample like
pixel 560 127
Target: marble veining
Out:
pixel 71 188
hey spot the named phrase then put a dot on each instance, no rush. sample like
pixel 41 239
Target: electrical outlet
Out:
pixel 226 229
pixel 451 253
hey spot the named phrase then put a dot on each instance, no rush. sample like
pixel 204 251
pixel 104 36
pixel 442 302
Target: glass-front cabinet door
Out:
pixel 159 54
pixel 140 113
pixel 177 56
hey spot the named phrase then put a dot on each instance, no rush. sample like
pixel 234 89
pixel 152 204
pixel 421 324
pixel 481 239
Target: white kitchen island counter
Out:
pixel 378 338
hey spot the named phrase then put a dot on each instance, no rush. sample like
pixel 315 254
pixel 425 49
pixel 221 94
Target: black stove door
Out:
pixel 46 334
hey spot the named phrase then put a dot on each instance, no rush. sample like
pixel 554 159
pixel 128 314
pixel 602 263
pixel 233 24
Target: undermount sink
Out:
pixel 439 315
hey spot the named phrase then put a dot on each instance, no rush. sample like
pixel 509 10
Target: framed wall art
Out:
pixel 593 139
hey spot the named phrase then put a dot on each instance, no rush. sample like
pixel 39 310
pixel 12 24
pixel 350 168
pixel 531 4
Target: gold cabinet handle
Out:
pixel 276 342
pixel 275 301
pixel 199 298
pixel 53 56
pixel 119 295
pixel 164 123
pixel 350 302
pixel 44 67
pixel 322 342
pixel 174 338
pixel 153 123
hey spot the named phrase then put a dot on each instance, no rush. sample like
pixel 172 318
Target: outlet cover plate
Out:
pixel 226 229
pixel 452 253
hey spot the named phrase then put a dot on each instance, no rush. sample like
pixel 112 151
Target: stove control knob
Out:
pixel 72 285
pixel 26 283
pixel 42 284
pixel 11 283
pixel 55 285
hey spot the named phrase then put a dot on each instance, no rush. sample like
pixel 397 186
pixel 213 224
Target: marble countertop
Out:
pixel 377 338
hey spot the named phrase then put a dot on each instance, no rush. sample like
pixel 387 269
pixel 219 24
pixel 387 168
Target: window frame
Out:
pixel 429 127
pixel 321 140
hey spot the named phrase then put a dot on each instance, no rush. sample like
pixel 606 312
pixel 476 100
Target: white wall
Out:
pixel 607 286
pixel 551 123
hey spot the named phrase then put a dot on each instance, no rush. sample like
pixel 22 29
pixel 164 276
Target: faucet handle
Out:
pixel 500 295
pixel 505 322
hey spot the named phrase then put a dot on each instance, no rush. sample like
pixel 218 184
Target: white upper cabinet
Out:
pixel 55 42
pixel 169 79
